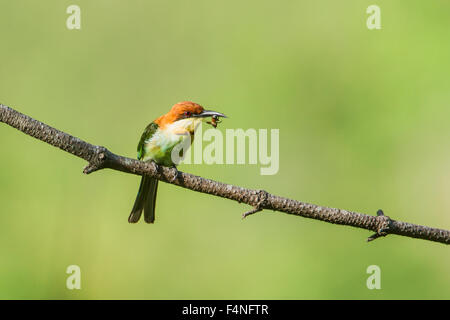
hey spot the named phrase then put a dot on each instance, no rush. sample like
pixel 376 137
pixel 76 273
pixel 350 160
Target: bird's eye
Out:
pixel 187 114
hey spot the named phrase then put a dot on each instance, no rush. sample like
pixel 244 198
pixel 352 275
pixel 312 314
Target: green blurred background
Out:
pixel 364 124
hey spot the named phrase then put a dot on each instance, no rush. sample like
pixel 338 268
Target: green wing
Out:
pixel 148 133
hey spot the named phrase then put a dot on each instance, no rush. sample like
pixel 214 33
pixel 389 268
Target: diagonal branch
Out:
pixel 101 158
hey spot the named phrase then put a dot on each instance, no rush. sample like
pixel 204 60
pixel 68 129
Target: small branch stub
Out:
pixel 98 162
pixel 383 226
pixel 261 199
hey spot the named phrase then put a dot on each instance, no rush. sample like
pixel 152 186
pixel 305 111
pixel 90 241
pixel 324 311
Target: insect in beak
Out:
pixel 214 121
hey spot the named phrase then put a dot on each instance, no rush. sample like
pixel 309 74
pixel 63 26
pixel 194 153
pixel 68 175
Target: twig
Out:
pixel 101 158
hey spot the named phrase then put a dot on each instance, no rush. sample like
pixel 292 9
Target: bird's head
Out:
pixel 188 109
pixel 188 114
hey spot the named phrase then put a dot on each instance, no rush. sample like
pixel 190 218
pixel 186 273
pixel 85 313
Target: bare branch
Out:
pixel 101 158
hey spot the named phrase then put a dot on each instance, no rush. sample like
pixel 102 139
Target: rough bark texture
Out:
pixel 100 158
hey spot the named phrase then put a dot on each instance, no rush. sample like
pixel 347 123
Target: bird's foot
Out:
pixel 176 174
pixel 157 167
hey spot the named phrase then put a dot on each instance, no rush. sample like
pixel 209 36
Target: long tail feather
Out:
pixel 145 201
pixel 150 202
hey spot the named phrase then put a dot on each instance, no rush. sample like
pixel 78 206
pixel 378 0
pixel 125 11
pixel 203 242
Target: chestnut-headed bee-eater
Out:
pixel 157 143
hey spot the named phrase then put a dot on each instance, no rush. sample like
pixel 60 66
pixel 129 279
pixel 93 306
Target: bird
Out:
pixel 156 145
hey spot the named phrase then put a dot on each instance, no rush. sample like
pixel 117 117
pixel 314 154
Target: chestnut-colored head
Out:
pixel 186 110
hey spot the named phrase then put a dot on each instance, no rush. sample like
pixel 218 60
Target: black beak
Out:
pixel 209 113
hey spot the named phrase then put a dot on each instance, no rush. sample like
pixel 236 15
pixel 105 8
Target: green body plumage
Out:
pixel 156 145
